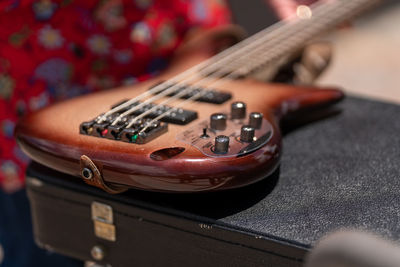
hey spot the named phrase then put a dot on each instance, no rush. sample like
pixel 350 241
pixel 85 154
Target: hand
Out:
pixel 286 8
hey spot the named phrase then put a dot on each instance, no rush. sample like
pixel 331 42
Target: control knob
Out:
pixel 238 110
pixel 247 134
pixel 221 145
pixel 218 121
pixel 255 120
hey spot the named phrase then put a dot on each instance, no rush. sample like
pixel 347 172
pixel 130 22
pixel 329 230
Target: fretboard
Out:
pixel 285 37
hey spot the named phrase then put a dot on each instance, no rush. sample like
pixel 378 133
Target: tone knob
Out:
pixel 247 133
pixel 255 120
pixel 218 121
pixel 221 145
pixel 238 110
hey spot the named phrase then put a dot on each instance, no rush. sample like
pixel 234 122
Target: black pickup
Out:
pixel 209 95
pixel 177 116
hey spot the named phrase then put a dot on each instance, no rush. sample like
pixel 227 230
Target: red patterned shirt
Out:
pixel 52 50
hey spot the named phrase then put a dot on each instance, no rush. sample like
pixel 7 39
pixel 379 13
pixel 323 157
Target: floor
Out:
pixel 367 56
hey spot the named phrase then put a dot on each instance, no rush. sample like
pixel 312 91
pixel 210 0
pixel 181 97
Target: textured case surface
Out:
pixel 339 172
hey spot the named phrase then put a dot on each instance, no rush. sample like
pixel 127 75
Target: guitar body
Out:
pixel 169 162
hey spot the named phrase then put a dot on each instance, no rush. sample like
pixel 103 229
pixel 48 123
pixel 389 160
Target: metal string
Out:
pixel 188 73
pixel 175 83
pixel 325 22
pixel 216 81
pixel 241 72
pixel 277 29
pixel 240 48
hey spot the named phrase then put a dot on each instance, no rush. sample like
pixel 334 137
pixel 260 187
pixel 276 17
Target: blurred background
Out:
pixel 366 58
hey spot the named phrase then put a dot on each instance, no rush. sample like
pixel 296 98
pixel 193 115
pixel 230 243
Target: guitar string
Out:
pixel 159 97
pixel 287 24
pixel 186 91
pixel 268 56
pixel 178 85
pixel 257 62
pixel 190 87
pixel 189 71
pixel 229 53
pixel 198 95
pixel 194 97
pixel 258 59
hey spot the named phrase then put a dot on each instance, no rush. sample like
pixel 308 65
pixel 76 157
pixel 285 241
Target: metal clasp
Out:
pixel 102 216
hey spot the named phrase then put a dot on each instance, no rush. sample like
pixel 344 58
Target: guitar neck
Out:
pixel 286 37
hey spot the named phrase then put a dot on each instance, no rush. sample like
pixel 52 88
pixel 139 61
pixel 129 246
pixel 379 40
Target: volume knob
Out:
pixel 218 121
pixel 247 134
pixel 255 120
pixel 238 110
pixel 221 145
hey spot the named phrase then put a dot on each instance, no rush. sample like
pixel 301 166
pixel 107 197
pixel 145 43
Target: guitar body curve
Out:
pixel 169 163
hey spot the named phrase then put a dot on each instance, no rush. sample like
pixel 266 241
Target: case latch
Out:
pixel 102 216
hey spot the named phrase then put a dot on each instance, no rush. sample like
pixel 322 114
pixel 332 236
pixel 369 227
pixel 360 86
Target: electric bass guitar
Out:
pixel 202 125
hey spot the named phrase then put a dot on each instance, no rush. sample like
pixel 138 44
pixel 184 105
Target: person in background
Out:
pixel 54 50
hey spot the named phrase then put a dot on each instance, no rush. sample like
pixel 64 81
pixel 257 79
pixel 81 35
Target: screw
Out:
pixel 97 253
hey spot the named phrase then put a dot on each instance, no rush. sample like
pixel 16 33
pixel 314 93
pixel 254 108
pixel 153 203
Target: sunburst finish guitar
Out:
pixel 203 125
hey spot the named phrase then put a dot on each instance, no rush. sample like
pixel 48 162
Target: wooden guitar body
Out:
pixel 171 163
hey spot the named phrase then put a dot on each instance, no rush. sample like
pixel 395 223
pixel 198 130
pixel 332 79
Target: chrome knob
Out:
pixel 238 110
pixel 247 134
pixel 255 120
pixel 218 121
pixel 221 145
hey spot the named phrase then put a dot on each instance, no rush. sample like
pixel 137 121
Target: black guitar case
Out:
pixel 339 172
